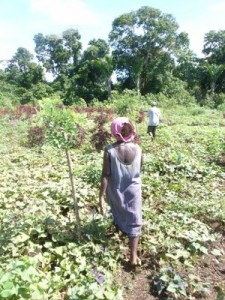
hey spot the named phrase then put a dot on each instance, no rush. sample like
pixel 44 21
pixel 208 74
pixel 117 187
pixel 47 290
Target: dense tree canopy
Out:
pixel 95 70
pixel 145 44
pixel 145 50
pixel 22 70
pixel 58 54
pixel 214 46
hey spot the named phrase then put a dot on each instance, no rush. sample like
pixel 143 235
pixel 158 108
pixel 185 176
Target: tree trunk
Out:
pixel 138 85
pixel 212 87
pixel 109 86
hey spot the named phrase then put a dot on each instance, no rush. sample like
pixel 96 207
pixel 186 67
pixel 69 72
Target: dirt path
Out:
pixel 136 284
pixel 210 269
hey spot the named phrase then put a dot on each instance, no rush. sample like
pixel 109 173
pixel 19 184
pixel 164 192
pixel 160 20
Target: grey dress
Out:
pixel 124 192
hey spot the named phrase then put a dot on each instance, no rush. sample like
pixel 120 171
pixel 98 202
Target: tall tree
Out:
pixel 95 70
pixel 60 56
pixel 214 46
pixel 211 78
pixel 71 38
pixel 22 71
pixel 145 43
pixel 51 53
pixel 186 68
pixel 211 69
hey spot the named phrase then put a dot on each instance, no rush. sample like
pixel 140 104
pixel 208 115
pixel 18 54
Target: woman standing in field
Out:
pixel 121 182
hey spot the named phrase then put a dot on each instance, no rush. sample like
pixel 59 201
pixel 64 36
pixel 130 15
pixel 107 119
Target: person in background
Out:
pixel 154 117
pixel 121 182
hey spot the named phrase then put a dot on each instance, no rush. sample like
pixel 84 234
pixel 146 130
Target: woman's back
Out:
pixel 125 164
pixel 126 152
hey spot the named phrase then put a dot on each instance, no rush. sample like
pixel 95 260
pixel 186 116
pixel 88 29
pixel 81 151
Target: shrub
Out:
pixel 176 91
pixel 100 138
pixel 126 103
pixel 219 100
pixel 221 107
pixel 36 136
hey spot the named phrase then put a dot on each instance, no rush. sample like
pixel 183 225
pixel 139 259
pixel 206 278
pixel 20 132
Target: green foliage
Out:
pixel 58 54
pixel 127 103
pixel 214 46
pixel 196 111
pixel 169 282
pixel 176 92
pixel 219 100
pixel 160 98
pixel 182 191
pixel 135 38
pixel 39 257
pixel 221 107
pixel 21 279
pixel 95 70
pixel 8 93
pixel 92 170
pixel 211 79
pixel 77 102
pixel 22 71
pixel 174 72
pixel 63 126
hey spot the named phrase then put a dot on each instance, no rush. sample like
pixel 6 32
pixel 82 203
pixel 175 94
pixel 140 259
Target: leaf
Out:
pixel 48 245
pixel 171 256
pixel 21 238
pixel 8 289
pixel 99 294
pixel 182 253
pixel 36 295
pixel 171 288
pixel 8 285
pixel 216 252
pixel 164 278
pixel 110 295
pixel 7 293
pixel 59 250
pixel 5 277
pixel 203 250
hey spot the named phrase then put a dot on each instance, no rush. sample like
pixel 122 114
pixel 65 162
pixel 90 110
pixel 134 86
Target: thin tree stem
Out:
pixel 72 180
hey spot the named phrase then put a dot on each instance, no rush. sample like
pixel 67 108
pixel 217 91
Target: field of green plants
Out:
pixel 41 256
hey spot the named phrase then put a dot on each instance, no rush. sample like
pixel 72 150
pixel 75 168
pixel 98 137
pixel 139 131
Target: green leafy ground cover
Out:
pixel 183 197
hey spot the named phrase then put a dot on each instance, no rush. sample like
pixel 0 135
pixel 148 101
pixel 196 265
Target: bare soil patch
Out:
pixel 209 269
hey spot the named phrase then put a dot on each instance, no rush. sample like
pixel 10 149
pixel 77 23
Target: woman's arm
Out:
pixel 104 181
pixel 142 160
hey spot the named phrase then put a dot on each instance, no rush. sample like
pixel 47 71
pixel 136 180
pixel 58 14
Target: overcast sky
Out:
pixel 20 20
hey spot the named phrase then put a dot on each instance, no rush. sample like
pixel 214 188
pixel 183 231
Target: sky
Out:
pixel 21 20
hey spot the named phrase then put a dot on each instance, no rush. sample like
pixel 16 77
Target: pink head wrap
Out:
pixel 117 126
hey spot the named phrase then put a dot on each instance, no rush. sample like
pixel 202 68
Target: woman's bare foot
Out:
pixel 135 262
pixel 133 250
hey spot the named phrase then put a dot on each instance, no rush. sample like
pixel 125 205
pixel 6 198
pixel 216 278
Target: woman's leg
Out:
pixel 133 250
pixel 154 131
